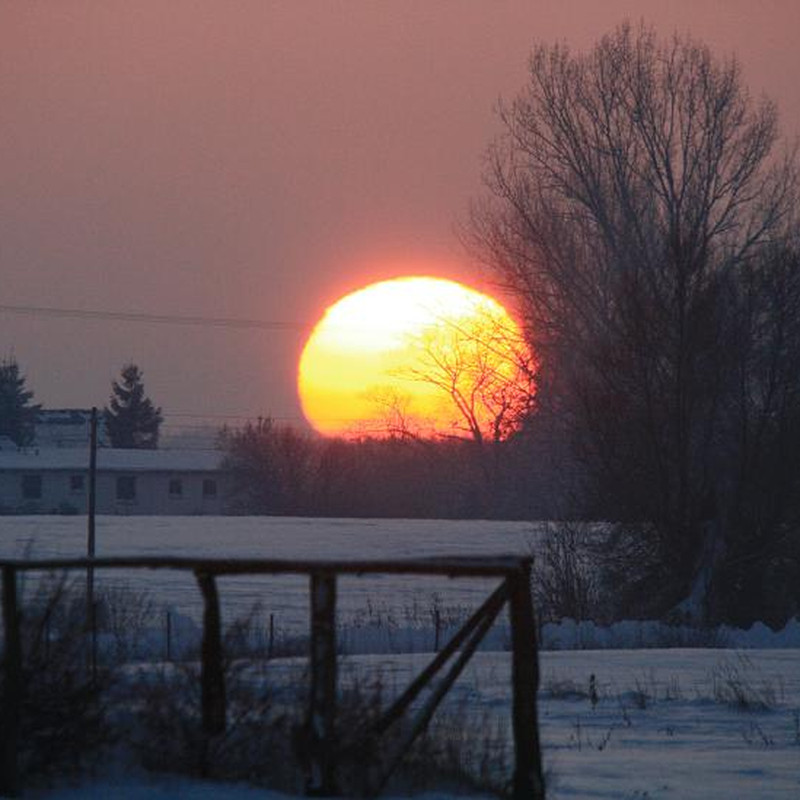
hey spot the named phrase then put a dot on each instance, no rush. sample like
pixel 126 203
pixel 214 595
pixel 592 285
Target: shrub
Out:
pixel 565 577
pixel 736 684
pixel 64 726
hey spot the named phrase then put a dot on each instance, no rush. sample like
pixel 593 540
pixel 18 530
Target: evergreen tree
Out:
pixel 17 415
pixel 131 418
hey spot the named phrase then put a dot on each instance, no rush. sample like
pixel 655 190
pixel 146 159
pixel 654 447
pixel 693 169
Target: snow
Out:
pixel 662 727
pixel 661 730
pixel 586 635
pixel 275 537
pixel 667 723
pixel 385 613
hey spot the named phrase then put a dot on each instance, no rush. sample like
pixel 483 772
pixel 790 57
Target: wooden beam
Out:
pixel 528 782
pixel 454 567
pixel 12 687
pixel 212 678
pixel 321 781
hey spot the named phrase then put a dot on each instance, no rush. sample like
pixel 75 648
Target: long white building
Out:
pixel 56 481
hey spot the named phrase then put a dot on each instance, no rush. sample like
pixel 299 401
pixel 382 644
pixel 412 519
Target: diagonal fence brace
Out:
pixel 484 619
pixel 399 706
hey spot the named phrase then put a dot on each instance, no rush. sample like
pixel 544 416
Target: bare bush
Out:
pixel 64 725
pixel 737 684
pixel 565 575
pixel 167 733
pixel 460 750
pixel 266 737
pixel 125 614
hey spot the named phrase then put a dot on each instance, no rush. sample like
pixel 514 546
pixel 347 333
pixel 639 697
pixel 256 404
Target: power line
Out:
pixel 214 415
pixel 213 418
pixel 157 319
pixel 196 320
pixel 225 417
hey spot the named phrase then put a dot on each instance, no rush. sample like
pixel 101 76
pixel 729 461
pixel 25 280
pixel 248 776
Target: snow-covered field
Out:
pixel 716 724
pixel 666 723
pixel 275 537
pixel 705 724
pixel 402 606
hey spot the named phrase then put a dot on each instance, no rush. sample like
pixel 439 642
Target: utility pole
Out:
pixel 90 609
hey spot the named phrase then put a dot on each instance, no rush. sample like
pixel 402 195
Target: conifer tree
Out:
pixel 17 415
pixel 131 419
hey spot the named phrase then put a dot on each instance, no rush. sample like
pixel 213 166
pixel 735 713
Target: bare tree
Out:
pixel 634 197
pixel 484 371
pixel 394 416
pixel 271 467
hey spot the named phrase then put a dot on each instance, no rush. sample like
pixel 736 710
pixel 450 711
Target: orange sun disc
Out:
pixel 415 355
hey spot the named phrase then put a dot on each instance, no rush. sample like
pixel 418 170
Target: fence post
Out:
pixel 12 695
pixel 212 678
pixel 528 783
pixel 322 701
pixel 271 640
pixel 93 645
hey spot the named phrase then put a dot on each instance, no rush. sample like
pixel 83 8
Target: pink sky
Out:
pixel 257 160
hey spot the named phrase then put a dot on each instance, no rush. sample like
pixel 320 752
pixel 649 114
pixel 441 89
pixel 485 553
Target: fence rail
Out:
pixel 323 744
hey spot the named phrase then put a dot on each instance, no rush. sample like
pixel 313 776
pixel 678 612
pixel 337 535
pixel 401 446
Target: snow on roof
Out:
pixel 111 460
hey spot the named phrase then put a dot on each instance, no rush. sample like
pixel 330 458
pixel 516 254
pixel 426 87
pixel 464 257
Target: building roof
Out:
pixel 111 460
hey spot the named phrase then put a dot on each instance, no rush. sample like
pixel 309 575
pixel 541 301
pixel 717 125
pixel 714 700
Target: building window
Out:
pixel 32 487
pixel 209 488
pixel 126 487
pixel 76 483
pixel 175 487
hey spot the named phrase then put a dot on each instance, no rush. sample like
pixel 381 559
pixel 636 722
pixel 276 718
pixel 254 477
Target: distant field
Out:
pixel 277 537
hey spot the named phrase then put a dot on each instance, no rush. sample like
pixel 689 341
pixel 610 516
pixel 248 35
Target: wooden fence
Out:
pixel 323 745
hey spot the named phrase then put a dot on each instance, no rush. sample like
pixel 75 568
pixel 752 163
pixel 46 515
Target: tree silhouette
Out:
pixel 641 215
pixel 484 368
pixel 270 466
pixel 483 374
pixel 17 415
pixel 131 419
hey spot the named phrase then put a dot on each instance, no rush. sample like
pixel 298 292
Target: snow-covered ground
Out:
pixel 710 724
pixel 705 724
pixel 264 537
pixel 678 723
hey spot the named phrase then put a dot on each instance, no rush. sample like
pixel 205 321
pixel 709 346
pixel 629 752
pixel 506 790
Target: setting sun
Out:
pixel 417 355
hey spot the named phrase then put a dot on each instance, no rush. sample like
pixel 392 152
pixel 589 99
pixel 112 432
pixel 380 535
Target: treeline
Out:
pixel 643 212
pixel 279 470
